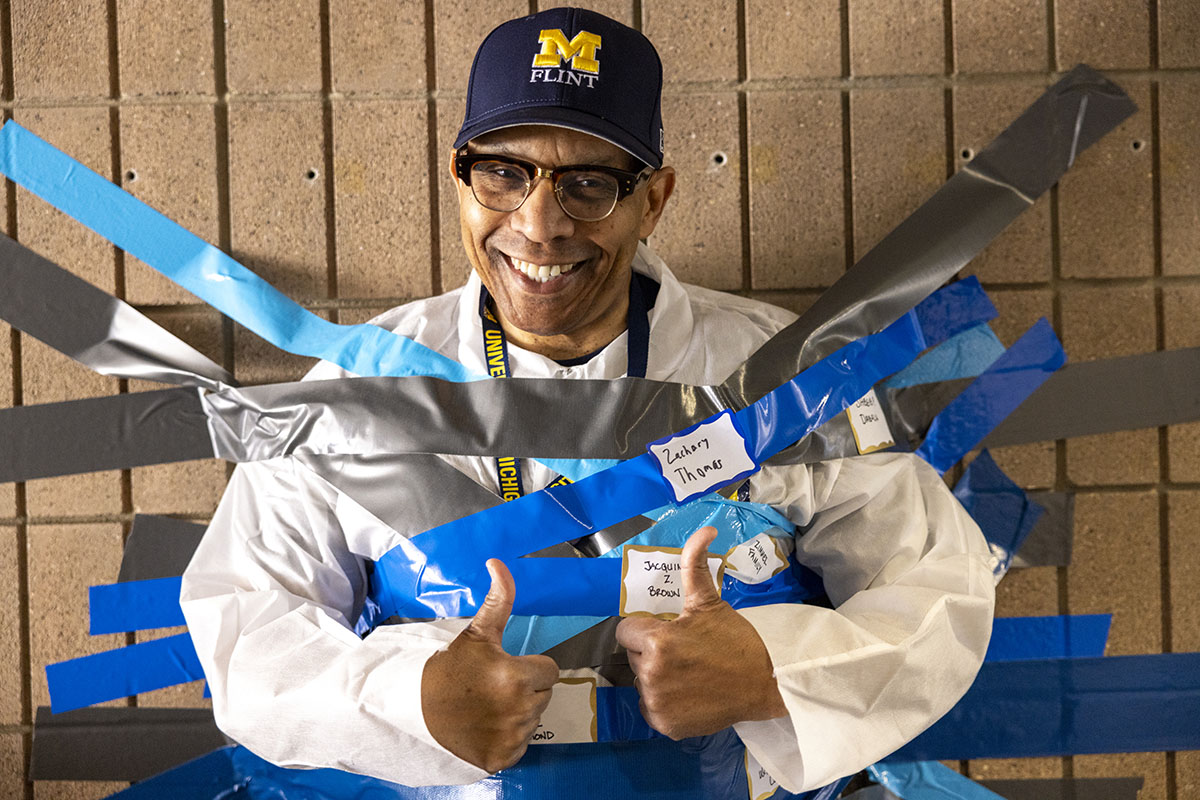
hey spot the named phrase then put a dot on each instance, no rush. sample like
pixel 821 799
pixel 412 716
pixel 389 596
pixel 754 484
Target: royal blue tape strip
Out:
pixel 1027 638
pixel 1070 706
pixel 135 606
pixel 954 308
pixel 207 272
pixel 927 780
pixel 1001 508
pixel 123 672
pixel 992 396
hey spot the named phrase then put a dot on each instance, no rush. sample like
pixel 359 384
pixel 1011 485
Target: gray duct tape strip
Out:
pixel 115 432
pixel 119 744
pixel 1067 788
pixel 45 301
pixel 158 547
pixel 1049 543
pixel 1142 391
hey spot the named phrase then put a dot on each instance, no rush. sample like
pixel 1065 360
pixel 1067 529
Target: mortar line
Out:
pixel 330 188
pixel 221 132
pixel 431 145
pixel 744 147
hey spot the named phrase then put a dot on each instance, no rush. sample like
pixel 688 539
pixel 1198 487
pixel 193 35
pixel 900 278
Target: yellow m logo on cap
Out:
pixel 581 50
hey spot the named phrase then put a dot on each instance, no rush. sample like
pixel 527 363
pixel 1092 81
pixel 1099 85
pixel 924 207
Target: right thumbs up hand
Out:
pixel 479 702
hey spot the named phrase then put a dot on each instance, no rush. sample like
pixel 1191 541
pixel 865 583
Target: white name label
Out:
pixel 758 559
pixel 762 785
pixel 870 429
pixel 571 715
pixel 651 583
pixel 702 458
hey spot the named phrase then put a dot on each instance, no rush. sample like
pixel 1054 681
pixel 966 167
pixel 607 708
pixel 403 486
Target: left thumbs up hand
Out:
pixel 706 669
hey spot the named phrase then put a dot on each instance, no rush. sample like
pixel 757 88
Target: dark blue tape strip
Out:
pixel 207 272
pixel 122 672
pixel 953 309
pixel 1026 638
pixel 992 396
pixel 1071 706
pixel 135 606
pixel 1001 508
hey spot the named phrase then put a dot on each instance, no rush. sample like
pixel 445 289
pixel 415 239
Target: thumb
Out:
pixel 488 624
pixel 698 589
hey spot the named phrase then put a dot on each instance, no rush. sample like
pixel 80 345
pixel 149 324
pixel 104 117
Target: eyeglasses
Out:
pixel 586 192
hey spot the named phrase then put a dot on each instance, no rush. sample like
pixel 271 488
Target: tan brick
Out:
pixel 700 234
pixel 1000 769
pixel 999 36
pixel 1149 766
pixel 1183 449
pixel 454 267
pixel 273 47
pixel 64 560
pixel 10 628
pixel 358 314
pixel 1179 107
pixel 12 764
pixel 277 194
pixel 60 49
pixel 459 27
pixel 184 695
pixel 168 160
pixel 1115 567
pixel 83 133
pixel 166 48
pixel 797 214
pixel 1033 465
pixel 1022 253
pixel 75 790
pixel 696 39
pixel 258 362
pixel 1182 323
pixel 796 302
pixel 1100 322
pixel 897 141
pixel 381 181
pixel 793 39
pixel 1018 310
pixel 620 10
pixel 1187 774
pixel 1106 226
pixel 1183 566
pixel 1107 34
pixel 1028 592
pixel 377 47
pixel 1121 457
pixel 1178 35
pixel 888 38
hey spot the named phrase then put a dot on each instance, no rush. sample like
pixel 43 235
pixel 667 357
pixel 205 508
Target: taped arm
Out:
pixel 907 571
pixel 270 597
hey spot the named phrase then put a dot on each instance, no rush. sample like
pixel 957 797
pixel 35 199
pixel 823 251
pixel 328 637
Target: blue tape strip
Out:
pixel 963 355
pixel 122 672
pixel 927 780
pixel 992 396
pixel 1001 508
pixel 1071 706
pixel 954 308
pixel 207 272
pixel 1026 638
pixel 135 606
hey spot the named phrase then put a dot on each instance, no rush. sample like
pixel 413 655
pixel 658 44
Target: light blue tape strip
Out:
pixel 135 606
pixel 927 780
pixel 1026 638
pixel 122 672
pixel 207 272
pixel 963 355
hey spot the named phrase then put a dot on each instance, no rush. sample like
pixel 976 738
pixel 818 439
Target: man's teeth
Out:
pixel 540 272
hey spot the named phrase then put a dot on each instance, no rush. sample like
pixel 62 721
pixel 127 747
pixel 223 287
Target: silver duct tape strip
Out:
pixel 949 229
pixel 99 331
pixel 116 432
pixel 1049 543
pixel 1067 788
pixel 1142 391
pixel 119 744
pixel 158 547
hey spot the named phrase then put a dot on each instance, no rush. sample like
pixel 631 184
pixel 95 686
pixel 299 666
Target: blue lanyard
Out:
pixel 495 355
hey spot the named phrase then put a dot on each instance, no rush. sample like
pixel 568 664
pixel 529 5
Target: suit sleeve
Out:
pixel 270 598
pixel 908 573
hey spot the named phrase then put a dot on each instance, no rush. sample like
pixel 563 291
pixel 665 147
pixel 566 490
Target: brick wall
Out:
pixel 301 136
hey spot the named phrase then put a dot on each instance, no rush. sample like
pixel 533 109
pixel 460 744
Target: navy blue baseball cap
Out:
pixel 570 68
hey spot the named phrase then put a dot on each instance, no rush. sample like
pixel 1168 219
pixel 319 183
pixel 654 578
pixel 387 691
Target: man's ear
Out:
pixel 453 172
pixel 662 184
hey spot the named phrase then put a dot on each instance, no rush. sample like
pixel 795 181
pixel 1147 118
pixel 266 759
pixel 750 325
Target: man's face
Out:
pixel 583 308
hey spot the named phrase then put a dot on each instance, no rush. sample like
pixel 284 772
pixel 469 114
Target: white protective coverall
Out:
pixel 274 588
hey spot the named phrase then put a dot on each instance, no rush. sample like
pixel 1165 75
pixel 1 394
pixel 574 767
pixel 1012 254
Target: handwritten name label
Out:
pixel 758 559
pixel 762 785
pixel 702 458
pixel 571 715
pixel 870 428
pixel 651 585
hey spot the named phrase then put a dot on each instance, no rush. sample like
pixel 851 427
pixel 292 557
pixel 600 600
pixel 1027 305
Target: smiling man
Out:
pixel 560 178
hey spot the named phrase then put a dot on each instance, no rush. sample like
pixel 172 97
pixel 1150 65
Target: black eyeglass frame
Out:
pixel 627 180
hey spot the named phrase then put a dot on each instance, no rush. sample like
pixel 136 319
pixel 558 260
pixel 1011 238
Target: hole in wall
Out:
pixel 1137 145
pixel 719 159
pixel 131 175
pixel 311 175
pixel 966 154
